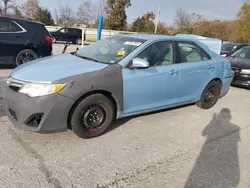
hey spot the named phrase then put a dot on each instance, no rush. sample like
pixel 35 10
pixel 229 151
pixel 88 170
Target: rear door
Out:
pixel 72 35
pixel 11 37
pixel 196 71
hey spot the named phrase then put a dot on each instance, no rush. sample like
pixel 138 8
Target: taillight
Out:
pixel 49 39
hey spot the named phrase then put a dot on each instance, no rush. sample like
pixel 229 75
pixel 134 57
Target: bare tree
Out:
pixel 86 12
pixel 66 15
pixel 30 9
pixel 5 6
pixel 184 21
pixel 56 17
pixel 101 8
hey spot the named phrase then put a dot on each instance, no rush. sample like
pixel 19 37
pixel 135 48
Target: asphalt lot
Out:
pixel 184 147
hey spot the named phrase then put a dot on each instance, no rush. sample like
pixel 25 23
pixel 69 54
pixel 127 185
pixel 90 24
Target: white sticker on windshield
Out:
pixel 132 43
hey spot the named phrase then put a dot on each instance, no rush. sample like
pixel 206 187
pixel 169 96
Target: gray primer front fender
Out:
pixel 108 79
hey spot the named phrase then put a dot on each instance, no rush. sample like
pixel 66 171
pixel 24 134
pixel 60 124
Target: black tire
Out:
pixel 92 116
pixel 25 56
pixel 210 95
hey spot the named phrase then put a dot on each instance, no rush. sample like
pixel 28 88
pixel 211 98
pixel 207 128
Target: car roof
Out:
pixel 71 28
pixel 235 43
pixel 23 20
pixel 184 37
pixel 248 47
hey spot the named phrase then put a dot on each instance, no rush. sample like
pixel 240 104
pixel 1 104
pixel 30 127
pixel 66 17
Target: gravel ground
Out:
pixel 183 147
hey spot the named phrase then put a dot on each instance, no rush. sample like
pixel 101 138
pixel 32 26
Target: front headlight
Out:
pixel 36 90
pixel 245 71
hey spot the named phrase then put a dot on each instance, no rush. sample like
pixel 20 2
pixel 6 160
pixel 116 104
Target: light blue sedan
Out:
pixel 117 77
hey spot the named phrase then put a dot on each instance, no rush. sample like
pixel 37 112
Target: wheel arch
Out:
pixel 217 79
pixel 26 47
pixel 107 94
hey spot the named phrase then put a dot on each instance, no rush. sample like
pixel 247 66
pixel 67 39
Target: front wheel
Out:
pixel 92 116
pixel 210 95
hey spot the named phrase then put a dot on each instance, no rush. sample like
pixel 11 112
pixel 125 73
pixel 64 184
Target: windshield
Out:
pixel 228 47
pixel 242 53
pixel 110 50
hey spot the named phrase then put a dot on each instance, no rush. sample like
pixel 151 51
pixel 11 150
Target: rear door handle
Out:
pixel 211 67
pixel 173 72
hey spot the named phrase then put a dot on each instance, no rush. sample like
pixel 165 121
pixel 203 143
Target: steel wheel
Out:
pixel 94 117
pixel 210 95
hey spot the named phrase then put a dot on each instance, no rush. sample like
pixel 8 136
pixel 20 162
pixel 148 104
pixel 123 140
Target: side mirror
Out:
pixel 139 63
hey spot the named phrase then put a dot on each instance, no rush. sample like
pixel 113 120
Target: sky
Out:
pixel 210 9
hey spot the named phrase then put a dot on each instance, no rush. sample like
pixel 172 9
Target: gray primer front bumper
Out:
pixel 54 107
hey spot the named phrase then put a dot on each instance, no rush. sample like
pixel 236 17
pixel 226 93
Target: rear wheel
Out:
pixel 92 116
pixel 210 95
pixel 79 41
pixel 25 56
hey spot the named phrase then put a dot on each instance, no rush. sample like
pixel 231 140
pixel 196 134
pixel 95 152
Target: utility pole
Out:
pixel 157 19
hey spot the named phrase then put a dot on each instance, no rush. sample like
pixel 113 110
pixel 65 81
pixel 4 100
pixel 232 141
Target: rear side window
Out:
pixel 191 53
pixel 9 27
pixel 75 31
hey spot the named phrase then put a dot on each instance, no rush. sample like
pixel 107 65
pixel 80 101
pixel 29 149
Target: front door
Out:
pixel 154 87
pixel 196 71
pixel 62 34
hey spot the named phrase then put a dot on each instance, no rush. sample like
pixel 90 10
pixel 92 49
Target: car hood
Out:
pixel 53 68
pixel 239 62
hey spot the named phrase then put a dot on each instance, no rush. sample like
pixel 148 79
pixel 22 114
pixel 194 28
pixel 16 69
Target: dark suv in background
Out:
pixel 23 40
pixel 228 48
pixel 73 35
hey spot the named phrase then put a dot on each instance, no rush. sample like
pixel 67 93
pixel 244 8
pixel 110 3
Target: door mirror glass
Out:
pixel 140 63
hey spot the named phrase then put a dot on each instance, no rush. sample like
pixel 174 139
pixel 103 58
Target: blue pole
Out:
pixel 99 34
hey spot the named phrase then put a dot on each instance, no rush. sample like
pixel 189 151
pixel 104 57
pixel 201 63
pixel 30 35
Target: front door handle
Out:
pixel 173 72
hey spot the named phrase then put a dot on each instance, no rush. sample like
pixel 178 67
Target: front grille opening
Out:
pixel 34 120
pixel 14 88
pixel 13 114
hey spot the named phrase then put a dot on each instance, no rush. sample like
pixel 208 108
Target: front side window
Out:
pixel 9 27
pixel 64 31
pixel 191 53
pixel 110 50
pixel 158 54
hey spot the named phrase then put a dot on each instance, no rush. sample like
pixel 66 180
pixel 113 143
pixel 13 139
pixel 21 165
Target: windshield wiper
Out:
pixel 88 58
